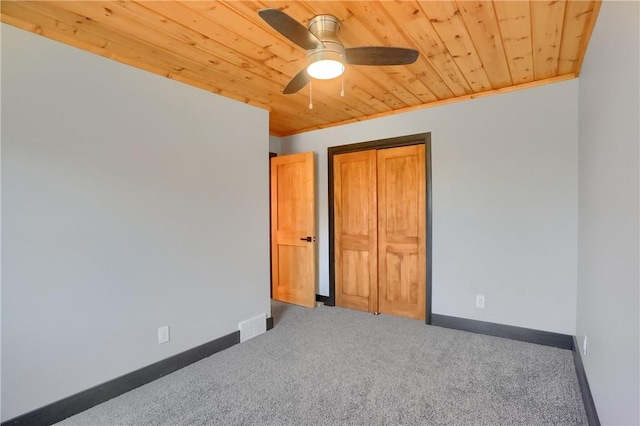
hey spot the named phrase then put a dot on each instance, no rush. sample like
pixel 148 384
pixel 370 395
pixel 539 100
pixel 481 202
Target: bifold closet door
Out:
pixel 355 230
pixel 380 231
pixel 402 231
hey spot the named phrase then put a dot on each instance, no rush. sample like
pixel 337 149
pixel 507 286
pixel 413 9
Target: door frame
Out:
pixel 417 139
pixel 271 155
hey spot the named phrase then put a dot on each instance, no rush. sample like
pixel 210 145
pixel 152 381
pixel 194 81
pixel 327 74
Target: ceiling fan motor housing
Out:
pixel 326 28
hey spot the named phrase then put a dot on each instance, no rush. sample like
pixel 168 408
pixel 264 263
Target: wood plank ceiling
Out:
pixel 467 49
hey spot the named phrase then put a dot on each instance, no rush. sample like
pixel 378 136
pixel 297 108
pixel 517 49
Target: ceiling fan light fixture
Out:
pixel 325 65
pixel 326 55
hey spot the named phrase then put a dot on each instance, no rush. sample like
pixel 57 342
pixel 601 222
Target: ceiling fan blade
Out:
pixel 290 28
pixel 298 82
pixel 380 55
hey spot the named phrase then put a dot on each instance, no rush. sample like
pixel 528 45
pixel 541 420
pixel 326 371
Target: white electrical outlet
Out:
pixel 479 301
pixel 163 334
pixel 584 345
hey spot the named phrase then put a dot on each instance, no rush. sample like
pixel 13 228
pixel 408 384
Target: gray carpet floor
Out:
pixel 333 366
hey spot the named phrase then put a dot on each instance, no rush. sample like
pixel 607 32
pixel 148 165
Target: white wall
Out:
pixel 504 202
pixel 274 144
pixel 608 274
pixel 129 202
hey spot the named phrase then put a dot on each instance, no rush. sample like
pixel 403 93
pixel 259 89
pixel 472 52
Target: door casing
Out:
pixel 420 138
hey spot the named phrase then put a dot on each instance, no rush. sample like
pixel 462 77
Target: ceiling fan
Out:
pixel 326 56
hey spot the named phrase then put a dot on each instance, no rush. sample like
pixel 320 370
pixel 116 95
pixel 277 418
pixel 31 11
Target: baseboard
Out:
pixel 84 400
pixel 328 301
pixel 269 323
pixel 562 341
pixel 587 398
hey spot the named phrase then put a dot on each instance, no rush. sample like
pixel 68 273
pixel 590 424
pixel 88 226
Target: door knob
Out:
pixel 308 239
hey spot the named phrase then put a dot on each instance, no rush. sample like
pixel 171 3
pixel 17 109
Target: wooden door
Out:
pixel 380 231
pixel 355 230
pixel 401 231
pixel 293 258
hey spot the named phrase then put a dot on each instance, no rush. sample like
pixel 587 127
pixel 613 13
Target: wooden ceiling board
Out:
pixel 446 19
pixel 578 17
pixel 445 80
pixel 547 21
pixel 185 48
pixel 514 20
pixel 480 19
pixel 467 49
pixel 230 46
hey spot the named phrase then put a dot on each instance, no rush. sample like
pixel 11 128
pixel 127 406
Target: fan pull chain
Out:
pixel 342 91
pixel 310 96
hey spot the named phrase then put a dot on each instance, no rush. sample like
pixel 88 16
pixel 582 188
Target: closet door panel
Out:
pixel 401 231
pixel 355 223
